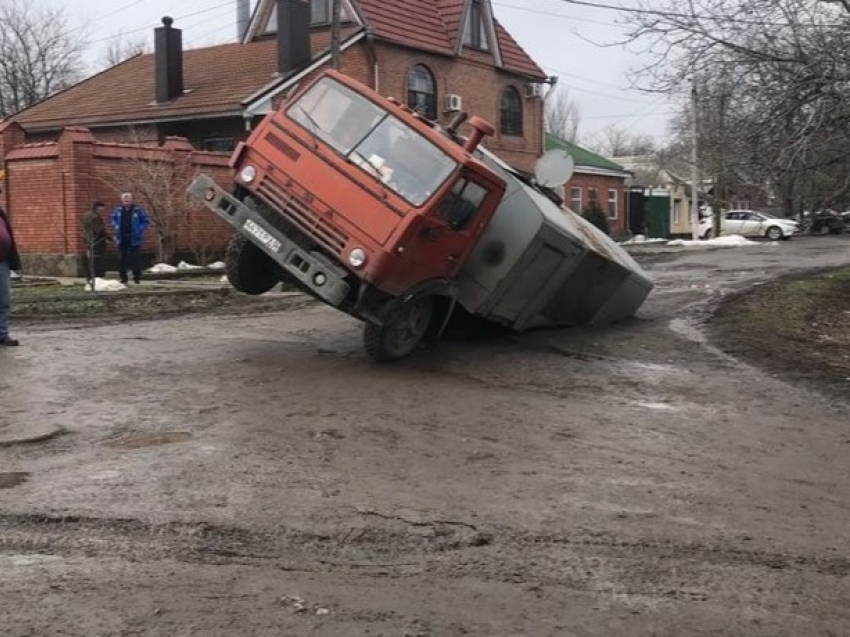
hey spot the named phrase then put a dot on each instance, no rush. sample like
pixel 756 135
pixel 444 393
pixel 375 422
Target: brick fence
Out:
pixel 48 187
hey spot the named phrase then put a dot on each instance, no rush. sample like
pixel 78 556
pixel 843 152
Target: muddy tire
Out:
pixel 708 234
pixel 248 268
pixel 401 333
pixel 774 233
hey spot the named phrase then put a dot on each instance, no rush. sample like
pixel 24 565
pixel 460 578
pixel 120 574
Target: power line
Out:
pixel 180 17
pixel 559 15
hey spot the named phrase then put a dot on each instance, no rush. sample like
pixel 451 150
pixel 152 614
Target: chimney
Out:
pixel 168 54
pixel 293 35
pixel 243 18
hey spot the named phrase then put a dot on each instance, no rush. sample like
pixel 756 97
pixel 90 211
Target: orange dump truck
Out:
pixel 395 220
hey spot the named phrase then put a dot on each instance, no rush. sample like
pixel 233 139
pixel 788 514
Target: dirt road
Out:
pixel 256 475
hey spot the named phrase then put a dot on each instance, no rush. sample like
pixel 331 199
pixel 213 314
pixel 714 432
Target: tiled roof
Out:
pixel 434 25
pixel 217 80
pixel 583 157
pixel 514 56
pixel 452 11
pixel 414 23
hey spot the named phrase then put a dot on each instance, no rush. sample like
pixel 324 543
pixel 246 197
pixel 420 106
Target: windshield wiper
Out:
pixel 314 127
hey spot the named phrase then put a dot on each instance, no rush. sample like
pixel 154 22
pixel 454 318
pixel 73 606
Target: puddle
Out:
pixel 152 439
pixel 13 479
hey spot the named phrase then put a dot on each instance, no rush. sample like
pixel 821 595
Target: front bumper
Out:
pixel 315 271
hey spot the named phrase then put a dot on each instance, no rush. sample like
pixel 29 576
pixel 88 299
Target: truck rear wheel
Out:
pixel 403 328
pixel 248 268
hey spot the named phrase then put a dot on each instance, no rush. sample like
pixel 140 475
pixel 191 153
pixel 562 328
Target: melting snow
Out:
pixel 732 241
pixel 106 285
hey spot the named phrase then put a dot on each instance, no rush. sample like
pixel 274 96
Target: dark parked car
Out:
pixel 826 223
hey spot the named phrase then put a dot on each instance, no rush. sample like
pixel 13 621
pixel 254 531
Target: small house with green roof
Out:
pixel 595 178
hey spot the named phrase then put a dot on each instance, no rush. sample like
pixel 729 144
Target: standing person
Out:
pixel 9 261
pixel 94 233
pixel 129 222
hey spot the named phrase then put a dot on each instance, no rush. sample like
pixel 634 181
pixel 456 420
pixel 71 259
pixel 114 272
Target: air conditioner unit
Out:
pixel 533 90
pixel 454 103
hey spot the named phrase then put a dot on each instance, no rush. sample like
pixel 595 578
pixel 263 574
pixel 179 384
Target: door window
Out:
pixel 460 205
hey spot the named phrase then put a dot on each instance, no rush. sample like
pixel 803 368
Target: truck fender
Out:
pixel 447 290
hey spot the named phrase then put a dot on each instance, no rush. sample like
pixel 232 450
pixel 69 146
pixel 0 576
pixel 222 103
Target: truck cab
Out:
pixel 360 202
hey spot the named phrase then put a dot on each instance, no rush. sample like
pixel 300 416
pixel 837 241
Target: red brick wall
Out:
pixel 49 187
pixel 602 184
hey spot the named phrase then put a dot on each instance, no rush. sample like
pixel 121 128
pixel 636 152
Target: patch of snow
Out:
pixel 162 268
pixel 218 265
pixel 106 285
pixel 224 279
pixel 731 241
pixel 14 275
pixel 188 266
pixel 640 238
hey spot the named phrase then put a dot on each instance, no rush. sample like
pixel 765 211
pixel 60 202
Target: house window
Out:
pixel 474 33
pixel 612 204
pixel 511 112
pixel 575 200
pixel 320 15
pixel 592 197
pixel 421 91
pixel 320 12
pixel 218 144
pixel 677 212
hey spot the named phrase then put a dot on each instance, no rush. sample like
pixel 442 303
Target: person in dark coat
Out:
pixel 94 234
pixel 10 262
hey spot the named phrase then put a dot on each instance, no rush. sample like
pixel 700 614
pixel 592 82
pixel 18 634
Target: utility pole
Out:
pixel 694 167
pixel 335 45
pixel 720 183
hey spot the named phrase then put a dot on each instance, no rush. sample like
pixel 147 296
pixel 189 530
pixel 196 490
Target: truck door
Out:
pixel 443 236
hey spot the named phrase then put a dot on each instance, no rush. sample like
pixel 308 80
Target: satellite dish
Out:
pixel 555 168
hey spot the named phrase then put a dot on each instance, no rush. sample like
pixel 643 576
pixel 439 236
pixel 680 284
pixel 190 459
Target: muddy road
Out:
pixel 256 475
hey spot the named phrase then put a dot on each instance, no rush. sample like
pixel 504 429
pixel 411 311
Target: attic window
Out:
pixel 474 33
pixel 320 15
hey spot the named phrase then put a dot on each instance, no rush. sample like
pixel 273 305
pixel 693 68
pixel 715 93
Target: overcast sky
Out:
pixel 560 36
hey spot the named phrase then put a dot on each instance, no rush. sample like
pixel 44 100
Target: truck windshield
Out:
pixel 371 138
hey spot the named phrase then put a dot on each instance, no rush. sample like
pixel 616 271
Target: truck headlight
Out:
pixel 248 174
pixel 357 257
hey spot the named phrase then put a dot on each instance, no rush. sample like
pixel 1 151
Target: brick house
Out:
pixel 440 56
pixel 595 178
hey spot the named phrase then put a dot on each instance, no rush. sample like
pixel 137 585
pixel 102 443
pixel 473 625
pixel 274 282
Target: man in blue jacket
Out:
pixel 128 223
pixel 9 262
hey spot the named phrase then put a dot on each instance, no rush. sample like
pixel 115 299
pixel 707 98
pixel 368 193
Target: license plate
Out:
pixel 264 237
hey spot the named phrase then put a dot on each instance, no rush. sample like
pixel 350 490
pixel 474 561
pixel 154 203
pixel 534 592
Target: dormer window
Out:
pixel 320 12
pixel 320 15
pixel 475 33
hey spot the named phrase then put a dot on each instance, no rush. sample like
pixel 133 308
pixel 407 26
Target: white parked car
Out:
pixel 750 223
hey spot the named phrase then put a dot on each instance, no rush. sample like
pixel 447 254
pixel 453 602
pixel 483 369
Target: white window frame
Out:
pixel 573 199
pixel 677 212
pixel 616 201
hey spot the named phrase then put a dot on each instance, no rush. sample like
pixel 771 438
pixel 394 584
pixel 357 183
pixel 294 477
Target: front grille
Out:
pixel 299 214
pixel 282 146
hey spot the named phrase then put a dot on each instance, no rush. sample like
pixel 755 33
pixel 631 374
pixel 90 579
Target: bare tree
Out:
pixel 785 119
pixel 39 54
pixel 615 141
pixel 562 116
pixel 122 48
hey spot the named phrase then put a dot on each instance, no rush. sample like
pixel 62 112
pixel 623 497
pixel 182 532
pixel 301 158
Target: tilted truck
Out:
pixel 397 221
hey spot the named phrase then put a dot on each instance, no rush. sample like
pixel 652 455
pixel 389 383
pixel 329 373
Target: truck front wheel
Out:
pixel 402 330
pixel 248 268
